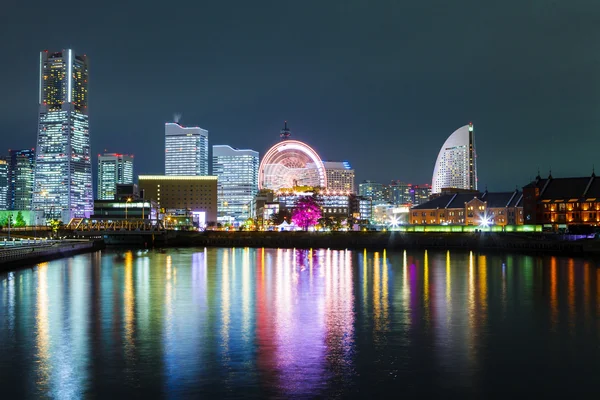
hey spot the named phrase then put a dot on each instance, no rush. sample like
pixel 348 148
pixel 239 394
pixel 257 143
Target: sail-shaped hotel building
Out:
pixel 456 164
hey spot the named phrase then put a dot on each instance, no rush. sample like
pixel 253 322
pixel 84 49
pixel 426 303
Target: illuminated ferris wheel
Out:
pixel 291 163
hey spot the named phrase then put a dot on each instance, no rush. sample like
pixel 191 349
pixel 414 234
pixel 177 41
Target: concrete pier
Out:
pixel 30 252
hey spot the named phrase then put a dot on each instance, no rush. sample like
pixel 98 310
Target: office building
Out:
pixel 186 150
pixel 113 169
pixel 237 184
pixel 4 198
pixel 340 176
pixel 178 195
pixel 372 190
pixel 63 169
pixel 456 164
pixel 20 179
pixel 333 204
pixel 419 194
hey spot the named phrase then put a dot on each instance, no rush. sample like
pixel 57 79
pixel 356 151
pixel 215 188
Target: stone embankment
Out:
pixel 28 253
pixel 509 242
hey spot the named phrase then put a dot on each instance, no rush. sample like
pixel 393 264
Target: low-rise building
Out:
pixel 487 208
pixel 194 194
pixel 560 202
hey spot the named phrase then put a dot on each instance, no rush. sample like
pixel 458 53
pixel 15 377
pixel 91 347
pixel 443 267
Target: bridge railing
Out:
pixel 130 224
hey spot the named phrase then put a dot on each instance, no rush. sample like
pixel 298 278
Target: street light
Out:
pixel 127 202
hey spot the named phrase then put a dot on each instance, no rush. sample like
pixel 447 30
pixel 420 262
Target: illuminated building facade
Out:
pixel 560 202
pixel 419 194
pixel 456 164
pixel 373 190
pixel 361 209
pixel 340 176
pixel 20 178
pixel 400 193
pixel 333 204
pixel 237 173
pixel 487 208
pixel 291 163
pixel 4 197
pixel 186 150
pixel 63 171
pixel 176 195
pixel 113 169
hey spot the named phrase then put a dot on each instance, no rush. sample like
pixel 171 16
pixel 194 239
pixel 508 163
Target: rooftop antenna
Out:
pixel 176 117
pixel 285 133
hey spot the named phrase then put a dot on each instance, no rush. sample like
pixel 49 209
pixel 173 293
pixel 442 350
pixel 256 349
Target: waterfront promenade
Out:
pixel 488 241
pixel 26 251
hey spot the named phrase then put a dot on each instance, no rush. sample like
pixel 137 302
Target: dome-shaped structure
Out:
pixel 456 165
pixel 291 163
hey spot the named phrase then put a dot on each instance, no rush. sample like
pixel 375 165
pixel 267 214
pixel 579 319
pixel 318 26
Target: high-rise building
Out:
pixel 20 178
pixel 456 164
pixel 63 169
pixel 372 190
pixel 186 150
pixel 340 176
pixel 3 185
pixel 113 169
pixel 419 194
pixel 237 184
pixel 398 192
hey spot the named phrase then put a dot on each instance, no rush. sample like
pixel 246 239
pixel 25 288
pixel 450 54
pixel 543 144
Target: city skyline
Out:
pixel 419 74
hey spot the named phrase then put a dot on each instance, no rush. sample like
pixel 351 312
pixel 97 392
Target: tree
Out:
pixel 278 217
pixel 306 213
pixel 20 221
pixel 326 222
pixel 55 225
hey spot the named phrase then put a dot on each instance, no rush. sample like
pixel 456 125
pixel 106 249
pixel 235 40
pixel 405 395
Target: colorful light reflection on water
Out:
pixel 299 323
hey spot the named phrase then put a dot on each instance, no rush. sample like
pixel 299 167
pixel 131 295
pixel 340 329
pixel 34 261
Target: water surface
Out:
pixel 235 323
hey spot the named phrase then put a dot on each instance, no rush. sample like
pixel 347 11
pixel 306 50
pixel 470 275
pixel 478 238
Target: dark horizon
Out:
pixel 379 85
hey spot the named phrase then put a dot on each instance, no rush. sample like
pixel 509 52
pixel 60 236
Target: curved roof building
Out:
pixel 456 165
pixel 291 163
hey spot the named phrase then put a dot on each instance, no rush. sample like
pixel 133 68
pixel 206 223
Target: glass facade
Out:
pixel 20 178
pixel 237 184
pixel 113 169
pixel 62 185
pixel 4 198
pixel 186 150
pixel 456 165
pixel 372 190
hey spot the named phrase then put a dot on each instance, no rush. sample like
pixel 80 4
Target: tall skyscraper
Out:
pixel 3 185
pixel 63 169
pixel 237 184
pixel 186 150
pixel 456 164
pixel 340 176
pixel 113 169
pixel 20 178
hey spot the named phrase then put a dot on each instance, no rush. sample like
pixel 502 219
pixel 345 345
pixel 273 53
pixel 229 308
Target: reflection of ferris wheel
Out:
pixel 291 163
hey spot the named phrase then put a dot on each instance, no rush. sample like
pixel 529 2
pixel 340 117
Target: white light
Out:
pixel 70 76
pixel 485 221
pixel 394 222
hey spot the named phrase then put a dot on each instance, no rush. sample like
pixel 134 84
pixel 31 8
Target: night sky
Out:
pixel 379 83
